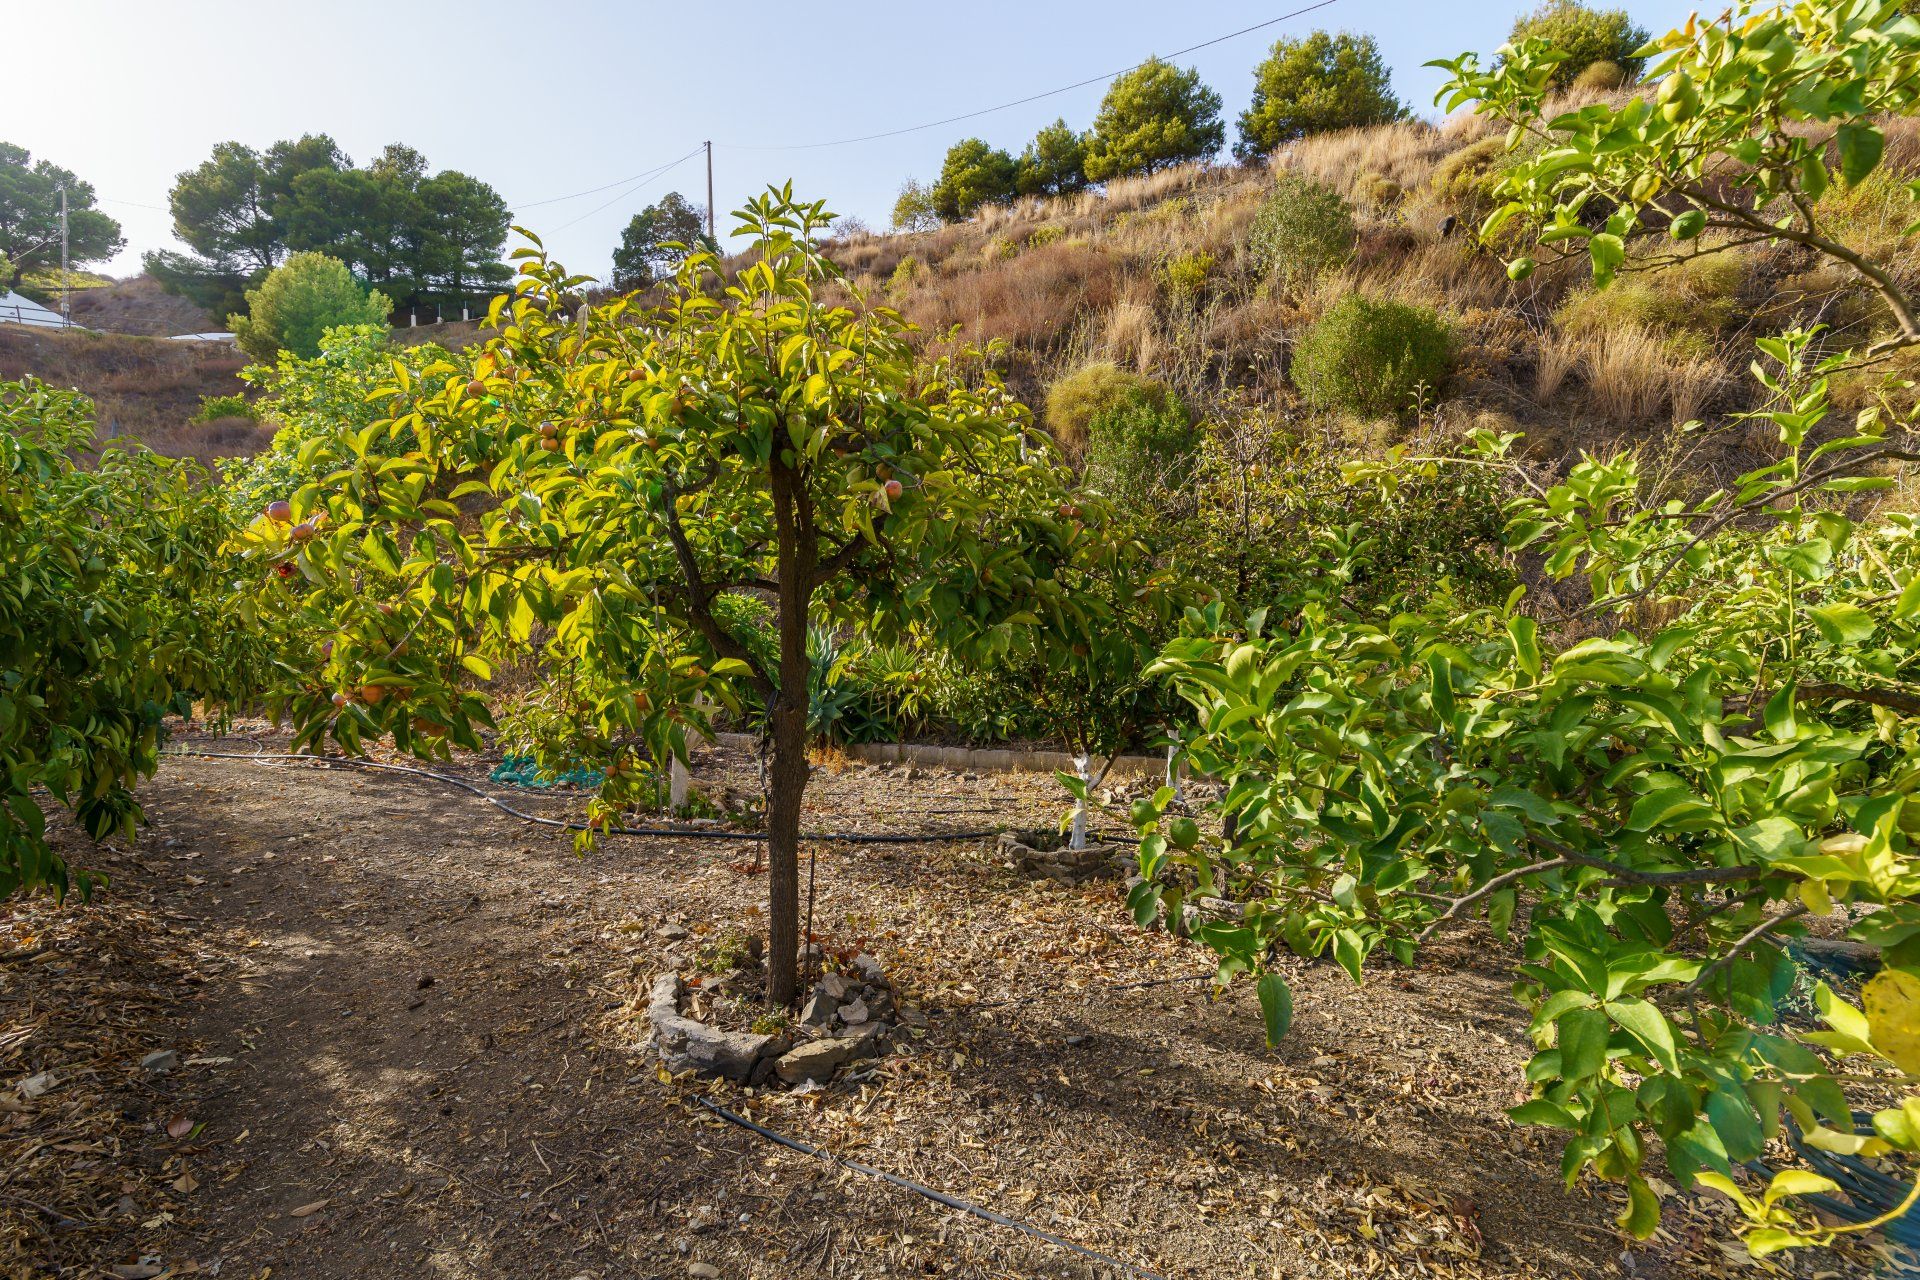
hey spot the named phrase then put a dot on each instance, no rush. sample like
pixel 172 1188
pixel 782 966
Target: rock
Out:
pixel 854 1013
pixel 688 1045
pixel 818 1011
pixel 869 968
pixel 865 1040
pixel 663 1001
pixel 160 1061
pixel 703 1271
pixel 881 1006
pixel 813 1062
pixel 835 986
pixel 36 1086
pixel 671 932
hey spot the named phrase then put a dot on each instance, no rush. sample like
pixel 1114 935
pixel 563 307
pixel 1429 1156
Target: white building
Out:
pixel 15 309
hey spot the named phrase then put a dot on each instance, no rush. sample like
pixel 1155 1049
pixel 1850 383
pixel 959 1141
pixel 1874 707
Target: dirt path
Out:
pixel 408 1049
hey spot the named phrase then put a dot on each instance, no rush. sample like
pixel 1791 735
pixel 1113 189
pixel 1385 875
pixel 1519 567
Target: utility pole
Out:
pixel 66 284
pixel 710 236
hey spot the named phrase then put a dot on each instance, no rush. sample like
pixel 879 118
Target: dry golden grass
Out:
pixel 1631 378
pixel 142 388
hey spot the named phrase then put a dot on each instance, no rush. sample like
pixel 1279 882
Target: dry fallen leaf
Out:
pixel 179 1127
pixel 306 1209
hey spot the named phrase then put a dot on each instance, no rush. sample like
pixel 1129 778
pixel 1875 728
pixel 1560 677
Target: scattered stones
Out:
pixel 819 1010
pixel 854 1012
pixel 160 1061
pixel 870 970
pixel 835 986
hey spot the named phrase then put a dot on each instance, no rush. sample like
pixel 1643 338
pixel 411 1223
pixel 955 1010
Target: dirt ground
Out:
pixel 408 1029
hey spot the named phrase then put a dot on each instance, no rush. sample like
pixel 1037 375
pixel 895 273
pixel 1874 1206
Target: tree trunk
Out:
pixel 787 774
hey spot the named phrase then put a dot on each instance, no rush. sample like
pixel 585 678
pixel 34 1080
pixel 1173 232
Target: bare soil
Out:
pixel 409 1038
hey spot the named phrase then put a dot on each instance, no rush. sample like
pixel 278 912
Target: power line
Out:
pixel 135 203
pixel 654 177
pixel 1021 102
pixel 621 182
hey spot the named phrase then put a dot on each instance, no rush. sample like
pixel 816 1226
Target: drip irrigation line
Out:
pixel 691 833
pixel 938 1197
pixel 1035 97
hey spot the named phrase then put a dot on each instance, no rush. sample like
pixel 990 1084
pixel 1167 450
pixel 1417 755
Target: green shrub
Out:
pixel 299 301
pixel 1372 356
pixel 1185 276
pixel 1045 234
pixel 313 399
pixel 1303 229
pixel 1074 401
pixel 1467 175
pixel 1140 447
pixel 214 408
pixel 905 275
pixel 1586 36
pixel 1378 192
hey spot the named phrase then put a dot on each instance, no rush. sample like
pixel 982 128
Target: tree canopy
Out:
pixel 30 216
pixel 299 301
pixel 647 470
pixel 1152 118
pixel 1313 85
pixel 973 175
pixel 647 251
pixel 1054 163
pixel 1584 36
pixel 421 237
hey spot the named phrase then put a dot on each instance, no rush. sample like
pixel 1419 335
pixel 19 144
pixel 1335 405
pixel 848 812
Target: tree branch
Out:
pixel 1499 882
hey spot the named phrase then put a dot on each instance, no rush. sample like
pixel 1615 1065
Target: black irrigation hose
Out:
pixel 938 1197
pixel 691 833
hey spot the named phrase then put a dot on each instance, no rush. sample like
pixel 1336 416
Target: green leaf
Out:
pixel 1582 1035
pixel 1608 251
pixel 1649 1026
pixel 1541 1111
pixel 1843 623
pixel 1642 1215
pixel 1861 147
pixel 1276 1006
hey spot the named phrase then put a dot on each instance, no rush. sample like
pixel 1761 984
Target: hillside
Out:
pixel 146 388
pixel 1159 275
pixel 139 305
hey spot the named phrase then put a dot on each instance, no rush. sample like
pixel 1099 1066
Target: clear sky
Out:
pixel 546 99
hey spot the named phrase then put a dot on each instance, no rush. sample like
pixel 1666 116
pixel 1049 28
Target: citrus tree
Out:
pixel 1661 790
pixel 596 490
pixel 109 574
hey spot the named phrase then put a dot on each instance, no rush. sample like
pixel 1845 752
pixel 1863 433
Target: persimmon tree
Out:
pixel 1659 791
pixel 111 572
pixel 593 486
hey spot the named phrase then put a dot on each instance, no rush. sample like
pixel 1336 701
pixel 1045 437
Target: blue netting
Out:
pixel 523 771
